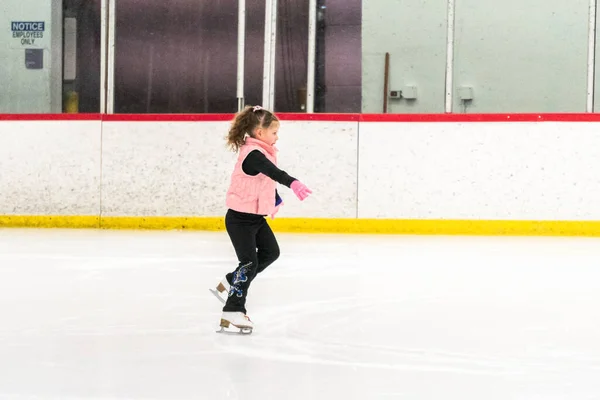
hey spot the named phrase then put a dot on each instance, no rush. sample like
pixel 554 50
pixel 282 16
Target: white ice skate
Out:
pixel 238 320
pixel 222 290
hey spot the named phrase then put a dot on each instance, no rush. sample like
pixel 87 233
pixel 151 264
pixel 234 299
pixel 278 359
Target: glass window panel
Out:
pixel 178 56
pixel 414 34
pixel 338 73
pixel 523 57
pixel 291 55
pixel 338 56
pixel 254 52
pixel 81 87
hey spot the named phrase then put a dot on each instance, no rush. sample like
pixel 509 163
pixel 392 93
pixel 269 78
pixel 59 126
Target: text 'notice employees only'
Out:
pixel 28 32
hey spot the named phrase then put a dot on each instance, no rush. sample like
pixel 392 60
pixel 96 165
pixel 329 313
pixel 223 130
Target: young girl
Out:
pixel 252 195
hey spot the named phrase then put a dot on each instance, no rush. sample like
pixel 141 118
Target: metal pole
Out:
pixel 110 80
pixel 269 56
pixel 386 82
pixel 241 52
pixel 57 65
pixel 591 73
pixel 273 53
pixel 312 50
pixel 103 36
pixel 450 56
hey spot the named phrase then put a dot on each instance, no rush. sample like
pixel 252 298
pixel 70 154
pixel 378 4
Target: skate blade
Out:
pixel 235 331
pixel 217 295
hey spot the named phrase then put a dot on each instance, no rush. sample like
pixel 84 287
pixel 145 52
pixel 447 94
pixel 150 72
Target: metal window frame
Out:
pixel 103 44
pixel 107 55
pixel 240 53
pixel 312 51
pixel 270 41
pixel 591 72
pixel 448 102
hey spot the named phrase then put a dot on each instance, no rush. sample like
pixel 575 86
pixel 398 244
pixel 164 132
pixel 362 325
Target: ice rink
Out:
pixel 117 315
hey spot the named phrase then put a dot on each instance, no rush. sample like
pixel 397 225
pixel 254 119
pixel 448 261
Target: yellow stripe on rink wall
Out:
pixel 49 221
pixel 164 223
pixel 319 225
pixel 439 227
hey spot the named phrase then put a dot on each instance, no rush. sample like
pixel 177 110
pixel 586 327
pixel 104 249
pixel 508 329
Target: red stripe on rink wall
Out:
pixel 228 117
pixel 579 117
pixel 479 117
pixel 50 117
pixel 167 117
pixel 319 117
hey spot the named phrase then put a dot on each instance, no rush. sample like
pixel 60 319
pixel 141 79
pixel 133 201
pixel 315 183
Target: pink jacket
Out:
pixel 252 194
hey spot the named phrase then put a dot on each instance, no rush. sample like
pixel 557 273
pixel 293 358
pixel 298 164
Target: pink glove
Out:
pixel 300 190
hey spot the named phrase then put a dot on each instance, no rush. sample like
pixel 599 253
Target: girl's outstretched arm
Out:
pixel 257 163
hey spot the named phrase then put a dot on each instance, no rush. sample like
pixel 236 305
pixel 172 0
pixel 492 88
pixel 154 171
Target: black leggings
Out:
pixel 256 248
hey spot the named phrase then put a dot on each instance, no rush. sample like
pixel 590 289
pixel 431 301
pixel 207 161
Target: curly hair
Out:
pixel 245 122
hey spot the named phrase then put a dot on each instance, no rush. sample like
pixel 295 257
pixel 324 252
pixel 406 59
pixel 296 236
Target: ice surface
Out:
pixel 128 315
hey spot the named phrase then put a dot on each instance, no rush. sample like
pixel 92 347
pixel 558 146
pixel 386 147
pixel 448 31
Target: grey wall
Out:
pixel 31 90
pixel 522 56
pixel 414 33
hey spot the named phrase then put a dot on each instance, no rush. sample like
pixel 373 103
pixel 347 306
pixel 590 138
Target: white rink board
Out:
pixel 507 171
pixel 323 155
pixel 184 168
pixel 165 168
pixel 50 167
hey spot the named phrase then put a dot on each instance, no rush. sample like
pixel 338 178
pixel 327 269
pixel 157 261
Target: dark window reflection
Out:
pixel 82 94
pixel 291 55
pixel 338 71
pixel 254 52
pixel 176 56
pixel 181 56
pixel 338 56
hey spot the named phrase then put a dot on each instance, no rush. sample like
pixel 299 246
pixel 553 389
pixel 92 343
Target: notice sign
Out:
pixel 28 33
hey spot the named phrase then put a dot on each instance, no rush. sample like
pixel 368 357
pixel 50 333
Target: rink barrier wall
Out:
pixel 489 174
